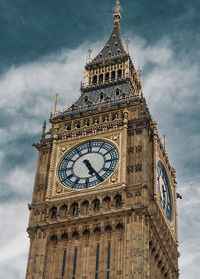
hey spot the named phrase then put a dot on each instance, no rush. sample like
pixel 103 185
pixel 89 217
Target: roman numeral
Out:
pixel 70 176
pixel 107 169
pixel 68 160
pixel 89 147
pixel 110 160
pixel 78 152
pixel 77 180
pixel 86 182
pixel 101 146
pixel 110 150
pixel 67 169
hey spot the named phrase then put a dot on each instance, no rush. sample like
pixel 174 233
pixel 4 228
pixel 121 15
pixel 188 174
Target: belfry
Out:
pixel 104 197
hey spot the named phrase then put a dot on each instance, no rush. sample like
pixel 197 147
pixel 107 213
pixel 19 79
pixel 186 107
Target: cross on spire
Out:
pixel 117 9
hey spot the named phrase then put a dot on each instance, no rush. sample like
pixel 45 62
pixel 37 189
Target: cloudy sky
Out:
pixel 43 50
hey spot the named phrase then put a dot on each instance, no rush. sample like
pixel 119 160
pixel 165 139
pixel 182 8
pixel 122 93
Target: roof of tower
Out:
pixel 114 47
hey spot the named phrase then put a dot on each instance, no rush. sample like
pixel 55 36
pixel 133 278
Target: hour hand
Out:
pixel 88 165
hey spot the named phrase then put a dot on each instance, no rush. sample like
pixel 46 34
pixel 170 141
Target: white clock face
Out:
pixel 88 164
pixel 164 191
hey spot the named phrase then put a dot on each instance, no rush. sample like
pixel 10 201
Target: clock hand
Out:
pixel 88 165
pixel 92 170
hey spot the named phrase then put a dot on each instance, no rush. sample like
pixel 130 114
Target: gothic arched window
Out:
pixel 86 232
pixel 101 78
pixel 86 99
pixel 53 237
pixel 85 206
pixel 63 210
pixel 117 92
pixel 75 234
pixel 96 204
pixel 118 200
pixel 74 209
pixel 107 75
pixel 64 236
pixel 113 75
pixel 101 96
pixel 97 230
pixel 119 74
pixel 119 226
pixel 53 212
pixel 106 202
pixel 95 79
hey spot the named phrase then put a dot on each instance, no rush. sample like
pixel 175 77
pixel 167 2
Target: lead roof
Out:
pixel 113 48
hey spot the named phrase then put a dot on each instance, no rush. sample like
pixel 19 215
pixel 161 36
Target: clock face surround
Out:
pixel 164 191
pixel 88 164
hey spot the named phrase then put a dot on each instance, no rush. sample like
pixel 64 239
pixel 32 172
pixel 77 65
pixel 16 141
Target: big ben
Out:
pixel 104 197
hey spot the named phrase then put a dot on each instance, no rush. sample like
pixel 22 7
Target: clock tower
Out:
pixel 104 197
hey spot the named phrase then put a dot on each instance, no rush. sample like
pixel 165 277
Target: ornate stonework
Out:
pixel 117 228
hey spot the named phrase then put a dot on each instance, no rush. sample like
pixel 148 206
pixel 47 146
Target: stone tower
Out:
pixel 104 198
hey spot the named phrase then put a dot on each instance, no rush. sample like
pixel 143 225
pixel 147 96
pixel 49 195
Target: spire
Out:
pixel 114 47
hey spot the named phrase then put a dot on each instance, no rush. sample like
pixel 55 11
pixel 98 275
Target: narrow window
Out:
pixel 107 77
pixel 101 96
pixel 113 75
pixel 101 78
pixel 86 99
pixel 96 204
pixel 74 267
pixel 117 92
pixel 97 262
pixel 108 262
pixel 74 209
pixel 118 200
pixel 53 211
pixel 94 79
pixel 119 74
pixel 63 265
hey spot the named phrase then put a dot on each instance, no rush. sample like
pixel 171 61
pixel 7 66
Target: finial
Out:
pixel 117 9
pixel 117 6
pixel 89 54
pixel 127 44
pixel 164 141
pixel 56 102
pixel 84 77
pixel 139 72
pixel 44 129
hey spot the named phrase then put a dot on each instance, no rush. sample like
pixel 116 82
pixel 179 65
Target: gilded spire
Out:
pixel 114 47
pixel 117 9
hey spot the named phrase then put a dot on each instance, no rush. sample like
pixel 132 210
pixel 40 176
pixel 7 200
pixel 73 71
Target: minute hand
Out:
pixel 92 170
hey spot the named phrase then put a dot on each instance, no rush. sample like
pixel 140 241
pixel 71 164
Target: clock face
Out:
pixel 88 164
pixel 164 191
